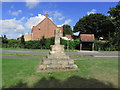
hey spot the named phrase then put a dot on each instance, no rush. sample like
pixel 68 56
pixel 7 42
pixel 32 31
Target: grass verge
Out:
pixel 97 72
pixel 24 49
pixel 16 54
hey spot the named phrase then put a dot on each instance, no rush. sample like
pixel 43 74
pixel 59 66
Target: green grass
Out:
pixel 67 50
pixel 24 49
pixel 108 51
pixel 81 55
pixel 95 72
pixel 16 54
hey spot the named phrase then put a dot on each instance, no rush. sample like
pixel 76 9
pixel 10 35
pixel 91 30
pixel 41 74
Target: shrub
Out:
pixel 44 43
pixel 100 45
pixel 13 44
pixel 70 44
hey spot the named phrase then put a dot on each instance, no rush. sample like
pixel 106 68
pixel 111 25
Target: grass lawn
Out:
pixel 97 72
pixel 24 49
pixel 67 50
pixel 16 54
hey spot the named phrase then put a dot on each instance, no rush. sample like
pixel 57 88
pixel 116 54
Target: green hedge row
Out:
pixel 105 46
pixel 41 44
pixel 69 44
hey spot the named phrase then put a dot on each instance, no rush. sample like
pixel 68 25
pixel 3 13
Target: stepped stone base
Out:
pixel 57 60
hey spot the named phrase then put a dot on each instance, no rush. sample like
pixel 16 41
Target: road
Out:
pixel 94 53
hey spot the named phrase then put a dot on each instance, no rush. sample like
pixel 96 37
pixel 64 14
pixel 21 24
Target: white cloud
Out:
pixel 56 15
pixel 34 21
pixel 31 3
pixel 92 12
pixel 59 25
pixel 11 27
pixel 61 18
pixel 68 21
pixel 23 18
pixel 15 13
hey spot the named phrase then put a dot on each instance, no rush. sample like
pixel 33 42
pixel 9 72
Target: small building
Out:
pixel 87 42
pixel 27 37
pixel 69 37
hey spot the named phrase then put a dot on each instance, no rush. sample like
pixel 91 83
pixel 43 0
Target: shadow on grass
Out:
pixel 71 82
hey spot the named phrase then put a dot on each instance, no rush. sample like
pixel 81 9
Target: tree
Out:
pixel 96 24
pixel 114 39
pixel 42 43
pixel 22 42
pixel 67 30
pixel 4 41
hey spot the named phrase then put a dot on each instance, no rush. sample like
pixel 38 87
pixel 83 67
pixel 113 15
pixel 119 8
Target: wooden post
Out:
pixel 93 46
pixel 80 46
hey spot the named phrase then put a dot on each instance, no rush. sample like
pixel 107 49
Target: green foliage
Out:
pixel 114 39
pixel 96 24
pixel 0 42
pixel 100 45
pixel 70 44
pixel 22 42
pixel 32 44
pixel 104 45
pixel 4 41
pixel 67 30
pixel 43 43
pixel 115 12
pixel 13 44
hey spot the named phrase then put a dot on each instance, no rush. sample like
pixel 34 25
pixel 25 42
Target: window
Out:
pixel 38 28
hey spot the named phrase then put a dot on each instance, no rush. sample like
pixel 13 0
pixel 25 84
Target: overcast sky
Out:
pixel 19 17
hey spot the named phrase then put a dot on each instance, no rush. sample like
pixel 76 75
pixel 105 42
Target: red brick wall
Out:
pixel 47 28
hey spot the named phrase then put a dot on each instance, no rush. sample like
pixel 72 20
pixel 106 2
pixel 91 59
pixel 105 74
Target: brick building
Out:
pixel 45 28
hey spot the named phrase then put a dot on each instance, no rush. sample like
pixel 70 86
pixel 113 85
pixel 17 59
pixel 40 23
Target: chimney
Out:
pixel 46 14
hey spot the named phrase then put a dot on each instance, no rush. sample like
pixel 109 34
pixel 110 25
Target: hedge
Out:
pixel 69 44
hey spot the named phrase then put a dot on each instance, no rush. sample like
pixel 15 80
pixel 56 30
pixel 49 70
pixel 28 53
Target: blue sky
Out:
pixel 19 17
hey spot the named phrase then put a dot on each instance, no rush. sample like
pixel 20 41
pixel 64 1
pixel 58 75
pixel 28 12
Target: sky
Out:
pixel 19 17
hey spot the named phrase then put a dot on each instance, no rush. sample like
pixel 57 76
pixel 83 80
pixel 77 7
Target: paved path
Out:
pixel 94 53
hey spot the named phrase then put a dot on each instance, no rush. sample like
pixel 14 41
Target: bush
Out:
pixel 40 44
pixel 100 45
pixel 70 44
pixel 32 44
pixel 13 44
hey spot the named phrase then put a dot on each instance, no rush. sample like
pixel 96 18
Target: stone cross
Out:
pixel 57 37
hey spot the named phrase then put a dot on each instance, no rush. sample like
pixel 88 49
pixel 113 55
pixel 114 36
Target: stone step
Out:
pixel 56 67
pixel 58 62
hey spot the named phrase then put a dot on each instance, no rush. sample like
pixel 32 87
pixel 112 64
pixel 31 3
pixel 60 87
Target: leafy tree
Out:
pixel 67 30
pixel 114 39
pixel 13 44
pixel 42 43
pixel 96 24
pixel 22 42
pixel 4 41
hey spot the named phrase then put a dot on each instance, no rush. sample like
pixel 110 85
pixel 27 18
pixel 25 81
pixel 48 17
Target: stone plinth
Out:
pixel 57 60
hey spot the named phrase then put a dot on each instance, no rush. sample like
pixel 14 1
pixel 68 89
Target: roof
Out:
pixel 69 36
pixel 87 37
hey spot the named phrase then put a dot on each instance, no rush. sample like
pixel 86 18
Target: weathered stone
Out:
pixel 57 59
